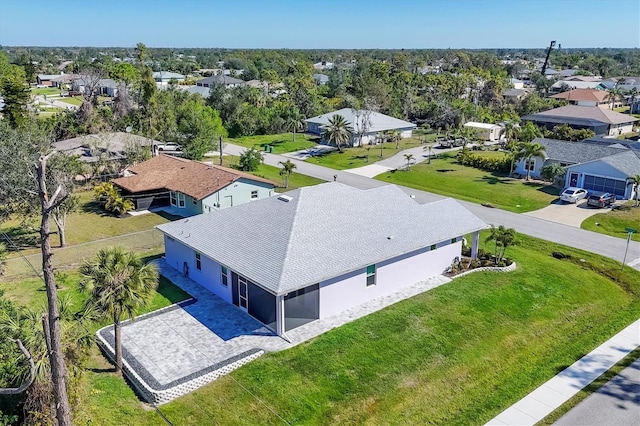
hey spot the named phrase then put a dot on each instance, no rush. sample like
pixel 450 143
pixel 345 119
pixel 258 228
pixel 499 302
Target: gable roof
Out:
pixel 580 114
pixel 590 95
pixel 219 79
pixel 286 245
pixel 580 152
pixel 477 125
pixel 576 84
pixel 379 122
pixel 627 162
pixel 164 75
pixel 192 178
pixel 513 92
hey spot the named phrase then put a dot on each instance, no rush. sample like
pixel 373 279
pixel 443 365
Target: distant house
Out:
pixel 601 121
pixel 273 89
pixel 189 187
pixel 103 86
pixel 321 79
pixel 485 131
pixel 593 166
pixel 588 97
pixel 296 258
pixel 514 95
pixel 516 83
pixel 227 81
pixel 47 79
pixel 102 146
pixel 564 85
pixel 165 77
pixel 365 125
pixel 205 92
pixel 323 65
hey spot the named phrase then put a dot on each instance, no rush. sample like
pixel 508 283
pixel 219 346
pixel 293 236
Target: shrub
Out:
pixel 109 197
pixel 250 160
pixel 493 164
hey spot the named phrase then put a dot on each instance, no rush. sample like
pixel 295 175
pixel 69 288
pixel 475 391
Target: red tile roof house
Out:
pixel 189 187
pixel 588 97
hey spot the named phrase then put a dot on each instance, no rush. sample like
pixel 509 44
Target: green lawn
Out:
pixel 281 143
pixel 613 222
pixel 446 177
pixel 351 158
pixel 45 91
pixel 458 354
pixel 272 173
pixel 72 101
pixel 90 223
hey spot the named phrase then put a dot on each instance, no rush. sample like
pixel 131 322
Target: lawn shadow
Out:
pixel 95 208
pixel 445 170
pixel 543 187
pixel 20 237
pixel 493 180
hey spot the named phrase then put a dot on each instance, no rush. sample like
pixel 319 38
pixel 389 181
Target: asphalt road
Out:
pixel 616 403
pixel 590 241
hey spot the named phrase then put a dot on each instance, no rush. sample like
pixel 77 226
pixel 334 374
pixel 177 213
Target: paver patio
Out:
pixel 170 347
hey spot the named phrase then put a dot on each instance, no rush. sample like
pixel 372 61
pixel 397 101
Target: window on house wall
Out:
pixel 453 240
pixel 198 262
pixel 181 202
pixel 195 202
pixel 433 247
pixel 224 274
pixel 371 275
pixel 530 164
pixel 172 195
pixel 254 195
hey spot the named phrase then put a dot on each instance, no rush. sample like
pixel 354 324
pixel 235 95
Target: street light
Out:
pixel 630 232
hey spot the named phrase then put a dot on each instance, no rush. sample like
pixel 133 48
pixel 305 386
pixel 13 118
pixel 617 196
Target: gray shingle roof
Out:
pixel 219 79
pixel 379 122
pixel 90 147
pixel 580 114
pixel 324 231
pixel 627 162
pixel 576 152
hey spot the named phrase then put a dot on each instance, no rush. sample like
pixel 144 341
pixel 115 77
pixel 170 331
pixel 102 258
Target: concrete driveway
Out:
pixel 567 214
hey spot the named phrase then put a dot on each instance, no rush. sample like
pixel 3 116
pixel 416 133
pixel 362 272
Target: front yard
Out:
pixel 458 354
pixel 446 177
pixel 281 143
pixel 615 221
pixel 351 158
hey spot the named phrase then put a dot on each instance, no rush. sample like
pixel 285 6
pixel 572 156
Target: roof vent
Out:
pixel 390 237
pixel 285 198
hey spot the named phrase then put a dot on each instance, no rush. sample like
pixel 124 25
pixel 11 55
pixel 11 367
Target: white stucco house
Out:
pixel 597 165
pixel 485 131
pixel 364 124
pixel 307 254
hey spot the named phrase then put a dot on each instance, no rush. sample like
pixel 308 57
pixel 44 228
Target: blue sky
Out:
pixel 354 24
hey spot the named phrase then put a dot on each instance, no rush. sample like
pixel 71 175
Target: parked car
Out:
pixel 601 199
pixel 573 194
pixel 168 146
pixel 41 86
pixel 75 93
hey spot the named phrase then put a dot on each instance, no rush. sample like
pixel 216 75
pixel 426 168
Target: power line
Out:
pixel 260 401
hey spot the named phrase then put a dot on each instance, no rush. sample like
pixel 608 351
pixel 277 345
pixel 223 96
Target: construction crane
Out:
pixel 546 61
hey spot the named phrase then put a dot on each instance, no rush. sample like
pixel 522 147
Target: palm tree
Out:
pixel 338 131
pixel 408 157
pixel 614 94
pixel 529 150
pixel 395 137
pixel 295 123
pixel 552 171
pixel 503 238
pixel 428 148
pixel 118 283
pixel 635 181
pixel 285 172
pixel 633 94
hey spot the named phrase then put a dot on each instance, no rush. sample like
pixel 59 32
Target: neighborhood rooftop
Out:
pixel 591 95
pixel 576 152
pixel 378 122
pixel 192 178
pixel 316 233
pixel 89 147
pixel 586 114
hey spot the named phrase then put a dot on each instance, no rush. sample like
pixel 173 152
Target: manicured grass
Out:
pixel 89 223
pixel 351 158
pixel 296 180
pixel 446 177
pixel 45 91
pixel 31 292
pixel 613 222
pixel 72 101
pixel 458 354
pixel 281 143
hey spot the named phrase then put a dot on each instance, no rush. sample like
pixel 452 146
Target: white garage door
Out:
pixel 596 183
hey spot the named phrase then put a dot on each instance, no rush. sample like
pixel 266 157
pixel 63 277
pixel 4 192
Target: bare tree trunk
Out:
pixel 60 223
pixel 56 358
pixel 118 341
pixel 220 146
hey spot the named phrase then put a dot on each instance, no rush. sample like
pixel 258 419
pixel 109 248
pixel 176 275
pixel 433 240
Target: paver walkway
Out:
pixel 174 345
pixel 555 392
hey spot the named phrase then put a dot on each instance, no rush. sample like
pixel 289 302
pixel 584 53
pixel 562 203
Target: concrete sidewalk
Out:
pixel 555 392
